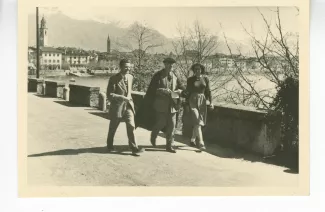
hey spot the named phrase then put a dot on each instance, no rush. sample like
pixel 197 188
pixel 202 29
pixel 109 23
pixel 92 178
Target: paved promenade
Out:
pixel 66 146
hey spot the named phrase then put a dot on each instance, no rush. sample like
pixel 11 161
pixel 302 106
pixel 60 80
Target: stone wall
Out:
pixel 84 95
pixel 54 89
pixel 233 126
pixel 32 84
pixel 239 127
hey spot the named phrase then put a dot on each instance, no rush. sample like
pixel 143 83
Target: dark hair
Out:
pixel 124 61
pixel 201 67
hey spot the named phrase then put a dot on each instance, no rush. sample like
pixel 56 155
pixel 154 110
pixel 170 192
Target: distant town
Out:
pixel 76 60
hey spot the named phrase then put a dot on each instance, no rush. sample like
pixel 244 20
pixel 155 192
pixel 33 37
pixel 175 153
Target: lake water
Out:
pixel 260 83
pixel 93 81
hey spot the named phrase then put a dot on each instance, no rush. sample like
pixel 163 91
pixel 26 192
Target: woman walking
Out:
pixel 199 96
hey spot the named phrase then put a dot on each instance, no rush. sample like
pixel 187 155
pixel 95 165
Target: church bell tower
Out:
pixel 43 33
pixel 108 45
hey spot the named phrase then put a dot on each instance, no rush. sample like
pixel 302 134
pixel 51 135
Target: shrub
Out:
pixel 286 101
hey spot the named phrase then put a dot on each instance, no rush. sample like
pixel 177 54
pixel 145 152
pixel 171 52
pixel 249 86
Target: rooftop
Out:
pixel 50 49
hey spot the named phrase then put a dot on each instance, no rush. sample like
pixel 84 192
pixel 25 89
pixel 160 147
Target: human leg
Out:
pixel 170 129
pixel 113 125
pixel 130 128
pixel 161 120
pixel 200 142
pixel 194 135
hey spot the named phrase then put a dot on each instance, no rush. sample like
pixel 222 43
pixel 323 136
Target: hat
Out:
pixel 169 60
pixel 123 61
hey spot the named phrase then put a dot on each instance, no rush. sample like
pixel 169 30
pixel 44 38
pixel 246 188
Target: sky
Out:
pixel 165 20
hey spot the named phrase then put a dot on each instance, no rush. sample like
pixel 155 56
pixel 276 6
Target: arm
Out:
pixel 160 91
pixel 110 89
pixel 163 91
pixel 110 95
pixel 180 87
pixel 188 88
pixel 207 92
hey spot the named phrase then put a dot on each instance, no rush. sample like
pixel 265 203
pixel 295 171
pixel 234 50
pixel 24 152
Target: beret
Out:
pixel 169 60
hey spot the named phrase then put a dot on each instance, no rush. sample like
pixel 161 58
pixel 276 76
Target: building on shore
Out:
pixel 51 58
pixel 76 58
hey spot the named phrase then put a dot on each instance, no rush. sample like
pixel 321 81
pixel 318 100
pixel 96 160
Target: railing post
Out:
pixel 102 101
pixel 66 93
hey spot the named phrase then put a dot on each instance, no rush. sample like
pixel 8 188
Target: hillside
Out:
pixel 92 35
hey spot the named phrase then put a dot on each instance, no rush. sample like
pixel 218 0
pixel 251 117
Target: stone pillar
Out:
pixel 102 101
pixel 66 91
pixel 59 89
pixel 94 97
pixel 41 87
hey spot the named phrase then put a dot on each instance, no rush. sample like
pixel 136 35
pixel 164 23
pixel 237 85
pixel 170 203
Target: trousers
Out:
pixel 167 121
pixel 128 118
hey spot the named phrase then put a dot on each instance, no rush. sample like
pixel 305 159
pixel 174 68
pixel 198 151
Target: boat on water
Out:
pixel 79 74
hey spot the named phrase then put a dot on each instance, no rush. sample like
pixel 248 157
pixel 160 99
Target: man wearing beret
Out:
pixel 161 103
pixel 121 107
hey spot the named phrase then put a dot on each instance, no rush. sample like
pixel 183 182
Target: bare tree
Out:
pixel 140 40
pixel 196 44
pixel 276 58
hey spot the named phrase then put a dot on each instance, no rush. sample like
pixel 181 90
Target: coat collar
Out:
pixel 121 82
pixel 161 73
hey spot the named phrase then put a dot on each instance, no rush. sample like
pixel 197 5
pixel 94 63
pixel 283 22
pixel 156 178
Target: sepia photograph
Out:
pixel 163 96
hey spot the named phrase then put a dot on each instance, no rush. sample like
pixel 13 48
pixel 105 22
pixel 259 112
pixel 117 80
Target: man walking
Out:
pixel 121 107
pixel 162 101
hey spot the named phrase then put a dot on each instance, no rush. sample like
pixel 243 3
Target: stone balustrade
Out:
pixel 240 127
pixel 84 95
pixel 234 126
pixel 54 89
pixel 36 85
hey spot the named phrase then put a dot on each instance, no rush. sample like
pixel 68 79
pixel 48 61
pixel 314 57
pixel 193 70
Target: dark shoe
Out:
pixel 138 151
pixel 202 148
pixel 170 149
pixel 192 144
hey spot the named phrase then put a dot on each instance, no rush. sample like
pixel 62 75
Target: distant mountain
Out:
pixel 92 35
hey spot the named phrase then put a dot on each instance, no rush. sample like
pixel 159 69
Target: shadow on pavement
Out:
pixel 120 150
pixel 237 153
pixel 157 148
pixel 100 114
pixel 291 171
pixel 96 150
pixel 42 96
pixel 68 104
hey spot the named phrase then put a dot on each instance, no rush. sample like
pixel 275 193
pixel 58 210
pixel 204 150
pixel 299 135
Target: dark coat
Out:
pixel 145 116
